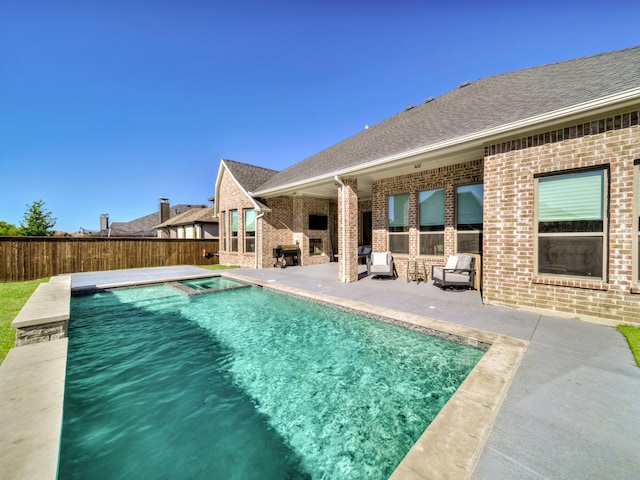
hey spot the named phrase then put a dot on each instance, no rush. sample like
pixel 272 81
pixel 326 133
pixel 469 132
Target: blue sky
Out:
pixel 105 106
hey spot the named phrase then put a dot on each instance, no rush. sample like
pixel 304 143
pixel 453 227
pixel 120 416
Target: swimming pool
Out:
pixel 245 383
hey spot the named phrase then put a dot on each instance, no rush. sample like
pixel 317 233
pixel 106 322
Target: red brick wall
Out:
pixel 509 226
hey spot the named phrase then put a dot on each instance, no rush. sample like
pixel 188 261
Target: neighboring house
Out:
pixel 195 223
pixel 143 226
pixel 537 170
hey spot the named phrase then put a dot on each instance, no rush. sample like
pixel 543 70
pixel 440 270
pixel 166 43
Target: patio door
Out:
pixel 366 228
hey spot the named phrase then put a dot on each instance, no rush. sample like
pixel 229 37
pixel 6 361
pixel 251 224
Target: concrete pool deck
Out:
pixel 571 411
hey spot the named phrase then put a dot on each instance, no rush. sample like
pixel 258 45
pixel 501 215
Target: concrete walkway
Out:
pixel 572 411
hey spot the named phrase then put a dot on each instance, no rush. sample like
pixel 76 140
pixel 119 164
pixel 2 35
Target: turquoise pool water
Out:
pixel 244 384
pixel 210 283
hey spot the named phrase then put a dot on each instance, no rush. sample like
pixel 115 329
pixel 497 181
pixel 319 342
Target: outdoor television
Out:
pixel 318 222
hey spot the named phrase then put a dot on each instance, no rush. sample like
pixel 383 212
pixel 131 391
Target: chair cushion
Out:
pixel 379 258
pixel 464 262
pixel 452 262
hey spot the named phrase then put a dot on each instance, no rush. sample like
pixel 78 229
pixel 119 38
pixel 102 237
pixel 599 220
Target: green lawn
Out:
pixel 632 334
pixel 216 267
pixel 13 296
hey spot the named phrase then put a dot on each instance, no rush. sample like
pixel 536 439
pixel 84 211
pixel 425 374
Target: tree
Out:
pixel 8 230
pixel 37 221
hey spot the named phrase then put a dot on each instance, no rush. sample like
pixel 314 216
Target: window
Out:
pixel 223 230
pixel 431 205
pixel 315 246
pixel 571 217
pixel 249 230
pixel 637 220
pixel 399 223
pixel 234 230
pixel 469 204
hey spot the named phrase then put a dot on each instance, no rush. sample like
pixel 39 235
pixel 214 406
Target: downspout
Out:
pixel 255 262
pixel 343 256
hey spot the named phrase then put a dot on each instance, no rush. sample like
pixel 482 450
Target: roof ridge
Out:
pixel 228 160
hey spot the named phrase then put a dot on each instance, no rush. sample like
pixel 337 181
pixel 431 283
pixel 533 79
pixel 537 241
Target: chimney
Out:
pixel 163 210
pixel 104 221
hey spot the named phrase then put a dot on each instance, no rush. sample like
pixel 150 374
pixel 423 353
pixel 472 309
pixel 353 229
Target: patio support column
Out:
pixel 348 230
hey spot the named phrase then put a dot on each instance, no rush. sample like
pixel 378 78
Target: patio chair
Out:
pixel 380 264
pixel 364 252
pixel 460 271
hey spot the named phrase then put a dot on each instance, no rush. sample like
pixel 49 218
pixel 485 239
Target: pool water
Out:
pixel 210 283
pixel 244 384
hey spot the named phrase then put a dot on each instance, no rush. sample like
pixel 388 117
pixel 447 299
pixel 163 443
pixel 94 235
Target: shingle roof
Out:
pixel 248 176
pixel 145 226
pixel 199 214
pixel 486 103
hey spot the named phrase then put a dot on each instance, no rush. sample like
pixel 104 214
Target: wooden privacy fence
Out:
pixel 28 258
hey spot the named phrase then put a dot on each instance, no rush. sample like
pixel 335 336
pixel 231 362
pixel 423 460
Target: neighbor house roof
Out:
pixel 145 226
pixel 199 214
pixel 479 109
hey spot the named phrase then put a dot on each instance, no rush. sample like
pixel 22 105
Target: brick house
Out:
pixel 197 222
pixel 537 170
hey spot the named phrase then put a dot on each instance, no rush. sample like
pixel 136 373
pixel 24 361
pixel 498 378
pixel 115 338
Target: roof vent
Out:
pixel 410 107
pixel 430 99
pixel 464 84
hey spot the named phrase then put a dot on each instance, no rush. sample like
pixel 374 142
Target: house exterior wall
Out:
pixel 305 206
pixel 445 177
pixel 509 220
pixel 231 197
pixel 274 228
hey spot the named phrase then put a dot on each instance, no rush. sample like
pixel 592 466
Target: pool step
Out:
pixel 186 290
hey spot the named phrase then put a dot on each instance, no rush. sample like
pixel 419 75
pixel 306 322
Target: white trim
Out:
pixel 478 138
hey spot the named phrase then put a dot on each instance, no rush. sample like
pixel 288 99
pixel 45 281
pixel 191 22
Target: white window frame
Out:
pixel 405 232
pixel 636 223
pixel 574 234
pixel 233 233
pixel 473 231
pixel 248 237
pixel 426 233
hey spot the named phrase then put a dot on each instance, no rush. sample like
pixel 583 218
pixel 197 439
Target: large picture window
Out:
pixel 571 215
pixel 399 223
pixel 431 205
pixel 234 230
pixel 469 208
pixel 250 230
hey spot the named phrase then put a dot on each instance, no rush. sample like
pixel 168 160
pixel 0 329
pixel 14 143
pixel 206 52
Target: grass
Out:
pixel 13 296
pixel 217 267
pixel 632 334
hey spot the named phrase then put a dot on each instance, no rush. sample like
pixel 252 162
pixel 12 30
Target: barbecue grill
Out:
pixel 286 255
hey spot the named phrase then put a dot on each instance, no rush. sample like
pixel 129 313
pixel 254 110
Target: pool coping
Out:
pixel 451 446
pixel 448 449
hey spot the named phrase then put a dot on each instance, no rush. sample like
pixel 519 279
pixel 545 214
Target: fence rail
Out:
pixel 29 258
